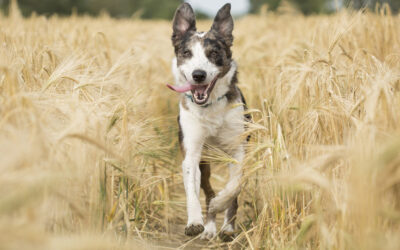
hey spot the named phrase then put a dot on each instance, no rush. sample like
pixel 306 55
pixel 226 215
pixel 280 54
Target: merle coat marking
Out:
pixel 210 113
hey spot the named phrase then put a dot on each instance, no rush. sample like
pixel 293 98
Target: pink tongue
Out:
pixel 181 88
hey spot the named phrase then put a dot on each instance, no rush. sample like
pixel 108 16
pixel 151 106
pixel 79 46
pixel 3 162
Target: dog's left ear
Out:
pixel 223 23
pixel 184 21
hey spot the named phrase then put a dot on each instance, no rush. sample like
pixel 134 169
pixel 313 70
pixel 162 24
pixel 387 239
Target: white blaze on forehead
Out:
pixel 201 34
pixel 199 61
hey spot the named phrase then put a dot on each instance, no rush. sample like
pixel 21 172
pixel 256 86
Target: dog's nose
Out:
pixel 199 75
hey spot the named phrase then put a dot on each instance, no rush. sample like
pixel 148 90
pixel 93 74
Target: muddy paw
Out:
pixel 194 229
pixel 226 236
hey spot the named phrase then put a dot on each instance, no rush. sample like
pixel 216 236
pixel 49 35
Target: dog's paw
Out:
pixel 209 231
pixel 227 233
pixel 194 229
pixel 226 236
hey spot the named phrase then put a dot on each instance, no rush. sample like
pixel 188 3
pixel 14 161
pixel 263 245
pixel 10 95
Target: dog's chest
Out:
pixel 212 122
pixel 220 124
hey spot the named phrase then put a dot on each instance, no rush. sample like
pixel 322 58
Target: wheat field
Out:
pixel 89 155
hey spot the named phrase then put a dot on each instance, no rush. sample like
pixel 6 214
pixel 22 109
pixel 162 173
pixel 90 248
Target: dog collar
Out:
pixel 190 97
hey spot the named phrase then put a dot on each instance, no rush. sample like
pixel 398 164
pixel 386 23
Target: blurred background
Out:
pixel 156 9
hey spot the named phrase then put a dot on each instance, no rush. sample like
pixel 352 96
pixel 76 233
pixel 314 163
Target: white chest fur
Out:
pixel 221 123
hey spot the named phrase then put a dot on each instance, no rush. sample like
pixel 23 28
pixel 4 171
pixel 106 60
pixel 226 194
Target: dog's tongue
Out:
pixel 181 88
pixel 200 89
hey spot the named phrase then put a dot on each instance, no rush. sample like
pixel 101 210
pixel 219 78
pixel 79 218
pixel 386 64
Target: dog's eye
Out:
pixel 187 53
pixel 214 53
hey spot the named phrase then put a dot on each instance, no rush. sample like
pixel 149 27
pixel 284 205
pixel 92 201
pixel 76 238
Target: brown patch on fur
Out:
pixel 217 51
pixel 231 214
pixel 206 185
pixel 233 93
pixel 182 46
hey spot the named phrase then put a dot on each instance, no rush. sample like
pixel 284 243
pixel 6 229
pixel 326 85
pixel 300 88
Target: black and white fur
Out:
pixel 220 121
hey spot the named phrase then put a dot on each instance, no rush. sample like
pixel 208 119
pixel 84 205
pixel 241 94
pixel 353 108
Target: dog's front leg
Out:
pixel 191 178
pixel 193 140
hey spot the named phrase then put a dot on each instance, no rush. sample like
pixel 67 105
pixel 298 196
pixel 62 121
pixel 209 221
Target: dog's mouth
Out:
pixel 200 92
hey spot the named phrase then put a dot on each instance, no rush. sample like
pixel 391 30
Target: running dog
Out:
pixel 211 113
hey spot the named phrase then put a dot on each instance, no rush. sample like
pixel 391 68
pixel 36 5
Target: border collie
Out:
pixel 211 113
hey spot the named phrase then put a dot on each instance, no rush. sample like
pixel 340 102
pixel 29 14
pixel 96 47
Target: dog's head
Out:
pixel 201 57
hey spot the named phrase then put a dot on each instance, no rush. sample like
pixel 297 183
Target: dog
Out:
pixel 212 112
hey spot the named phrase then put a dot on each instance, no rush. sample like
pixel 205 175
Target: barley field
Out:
pixel 89 155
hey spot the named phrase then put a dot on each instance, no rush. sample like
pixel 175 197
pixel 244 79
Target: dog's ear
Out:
pixel 184 21
pixel 223 23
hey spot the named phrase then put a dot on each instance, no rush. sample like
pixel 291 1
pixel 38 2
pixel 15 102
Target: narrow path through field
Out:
pixel 175 237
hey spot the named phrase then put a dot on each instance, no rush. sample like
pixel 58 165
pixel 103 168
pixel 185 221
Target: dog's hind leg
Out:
pixel 210 228
pixel 228 229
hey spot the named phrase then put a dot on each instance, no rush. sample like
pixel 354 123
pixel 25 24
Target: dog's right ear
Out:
pixel 184 21
pixel 223 23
